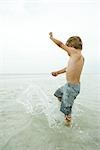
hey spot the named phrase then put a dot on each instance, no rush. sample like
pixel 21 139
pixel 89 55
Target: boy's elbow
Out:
pixel 60 44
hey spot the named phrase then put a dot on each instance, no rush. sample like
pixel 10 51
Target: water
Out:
pixel 30 118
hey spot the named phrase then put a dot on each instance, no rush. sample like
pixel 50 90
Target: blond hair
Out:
pixel 74 41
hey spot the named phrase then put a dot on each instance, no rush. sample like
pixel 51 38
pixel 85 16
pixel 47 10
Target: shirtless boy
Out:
pixel 67 93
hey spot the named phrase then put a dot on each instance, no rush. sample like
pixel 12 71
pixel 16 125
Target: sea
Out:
pixel 30 117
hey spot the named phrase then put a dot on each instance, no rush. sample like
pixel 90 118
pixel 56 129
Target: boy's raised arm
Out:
pixel 60 44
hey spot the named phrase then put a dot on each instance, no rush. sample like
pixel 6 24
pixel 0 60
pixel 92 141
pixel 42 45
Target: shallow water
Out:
pixel 30 118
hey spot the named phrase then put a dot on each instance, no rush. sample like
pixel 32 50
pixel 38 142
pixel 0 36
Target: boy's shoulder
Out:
pixel 77 55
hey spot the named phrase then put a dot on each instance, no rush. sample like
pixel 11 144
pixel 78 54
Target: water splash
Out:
pixel 36 101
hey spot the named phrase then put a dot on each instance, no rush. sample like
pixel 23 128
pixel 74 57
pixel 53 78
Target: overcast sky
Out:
pixel 25 46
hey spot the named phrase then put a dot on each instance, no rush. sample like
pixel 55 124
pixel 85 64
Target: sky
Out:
pixel 25 46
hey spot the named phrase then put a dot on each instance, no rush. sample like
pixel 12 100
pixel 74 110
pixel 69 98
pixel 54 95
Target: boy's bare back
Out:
pixel 74 67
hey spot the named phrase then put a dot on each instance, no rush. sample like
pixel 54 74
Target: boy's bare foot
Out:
pixel 68 120
pixel 68 117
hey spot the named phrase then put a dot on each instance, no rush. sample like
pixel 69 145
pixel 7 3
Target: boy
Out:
pixel 67 93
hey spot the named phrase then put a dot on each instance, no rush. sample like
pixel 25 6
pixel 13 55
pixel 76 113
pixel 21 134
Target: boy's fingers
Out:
pixel 50 33
pixel 54 74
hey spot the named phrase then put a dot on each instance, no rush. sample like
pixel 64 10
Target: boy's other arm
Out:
pixel 59 71
pixel 61 45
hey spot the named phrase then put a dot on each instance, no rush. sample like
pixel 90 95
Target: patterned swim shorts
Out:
pixel 67 94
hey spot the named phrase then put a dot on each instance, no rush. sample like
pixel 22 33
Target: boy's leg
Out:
pixel 67 110
pixel 69 94
pixel 67 103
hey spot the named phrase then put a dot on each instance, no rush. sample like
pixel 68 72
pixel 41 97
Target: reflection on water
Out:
pixel 30 116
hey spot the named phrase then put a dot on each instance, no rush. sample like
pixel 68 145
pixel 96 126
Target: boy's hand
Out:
pixel 54 74
pixel 51 35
